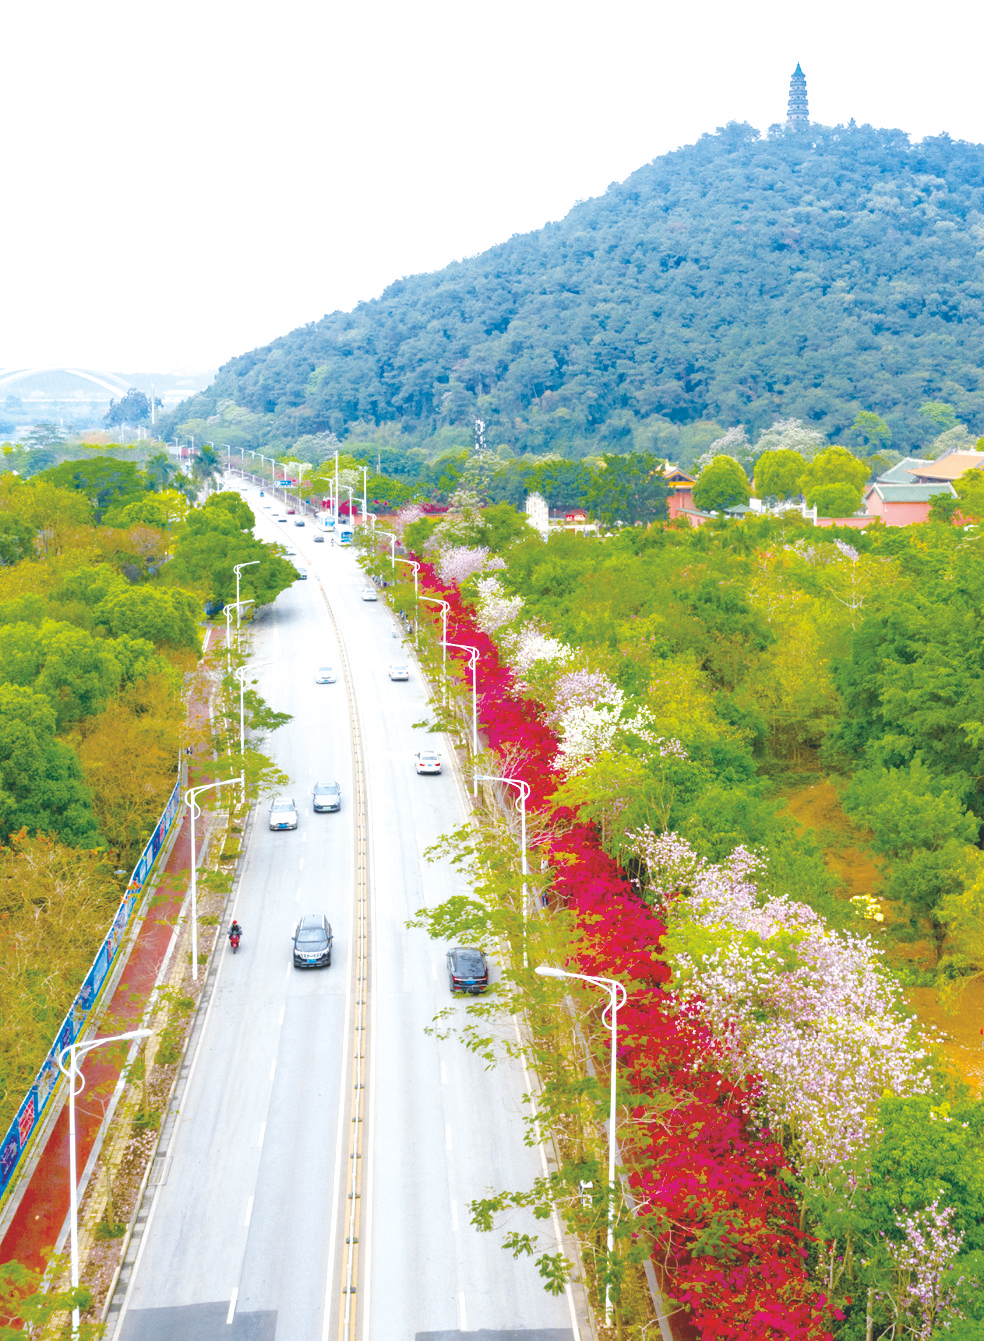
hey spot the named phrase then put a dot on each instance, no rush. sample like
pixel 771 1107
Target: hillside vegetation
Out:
pixel 734 281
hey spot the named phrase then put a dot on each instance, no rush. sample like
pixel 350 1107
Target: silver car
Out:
pixel 398 671
pixel 325 675
pixel 369 594
pixel 283 813
pixel 427 761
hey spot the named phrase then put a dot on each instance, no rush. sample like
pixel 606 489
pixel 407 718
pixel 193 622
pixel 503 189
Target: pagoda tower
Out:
pixel 797 110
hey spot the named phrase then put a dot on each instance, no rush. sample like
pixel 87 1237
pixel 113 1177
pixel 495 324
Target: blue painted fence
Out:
pixel 32 1109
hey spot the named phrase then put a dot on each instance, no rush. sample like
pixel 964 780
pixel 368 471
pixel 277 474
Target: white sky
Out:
pixel 187 180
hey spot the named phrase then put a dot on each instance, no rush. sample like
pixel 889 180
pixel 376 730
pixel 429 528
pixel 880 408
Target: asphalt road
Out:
pixel 245 1239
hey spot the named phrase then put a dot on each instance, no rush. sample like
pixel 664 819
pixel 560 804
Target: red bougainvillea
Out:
pixel 734 1253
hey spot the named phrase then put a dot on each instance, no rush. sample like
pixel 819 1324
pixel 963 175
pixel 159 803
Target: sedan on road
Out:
pixel 283 813
pixel 325 675
pixel 369 594
pixel 468 970
pixel 299 521
pixel 319 539
pixel 327 796
pixel 312 941
pixel 398 671
pixel 427 761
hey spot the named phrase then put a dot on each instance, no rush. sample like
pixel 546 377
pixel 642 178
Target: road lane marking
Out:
pixel 462 1315
pixel 444 1073
pixel 232 1306
pixel 249 1214
pixel 301 866
pixel 434 972
pixel 454 1213
pixel 447 1137
pixel 273 1069
pixel 282 1009
pixel 259 1139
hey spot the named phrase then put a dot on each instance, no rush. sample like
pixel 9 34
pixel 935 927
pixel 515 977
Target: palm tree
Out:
pixel 161 470
pixel 205 467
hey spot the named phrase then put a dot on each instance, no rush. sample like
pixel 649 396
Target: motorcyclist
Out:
pixel 235 930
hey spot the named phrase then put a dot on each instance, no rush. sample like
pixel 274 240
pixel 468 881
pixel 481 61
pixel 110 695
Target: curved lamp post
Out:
pixel 473 655
pixel 238 568
pixel 227 611
pixel 616 998
pixel 191 801
pixel 524 792
pixel 416 568
pixel 445 611
pixel 75 1052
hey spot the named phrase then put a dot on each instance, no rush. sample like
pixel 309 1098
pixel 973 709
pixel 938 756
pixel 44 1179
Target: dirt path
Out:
pixel 816 807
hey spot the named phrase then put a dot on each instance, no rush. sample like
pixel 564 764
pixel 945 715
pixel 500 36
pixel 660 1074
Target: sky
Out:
pixel 185 181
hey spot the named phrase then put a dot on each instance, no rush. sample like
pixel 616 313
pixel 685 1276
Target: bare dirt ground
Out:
pixel 847 854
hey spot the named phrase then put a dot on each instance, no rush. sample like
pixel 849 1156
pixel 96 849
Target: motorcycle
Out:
pixel 234 940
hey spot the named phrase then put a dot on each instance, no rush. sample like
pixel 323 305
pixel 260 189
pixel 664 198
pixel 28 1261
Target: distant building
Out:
pixel 797 109
pixel 537 512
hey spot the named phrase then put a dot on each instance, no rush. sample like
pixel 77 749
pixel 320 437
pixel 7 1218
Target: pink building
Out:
pixel 903 504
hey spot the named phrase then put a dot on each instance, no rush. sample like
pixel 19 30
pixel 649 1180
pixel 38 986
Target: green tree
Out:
pixel 721 484
pixel 133 408
pixel 778 473
pixel 873 429
pixel 835 500
pixel 628 489
pixel 101 479
pixel 564 484
pixel 160 470
pixel 165 617
pixel 837 465
pixel 41 788
pixel 944 416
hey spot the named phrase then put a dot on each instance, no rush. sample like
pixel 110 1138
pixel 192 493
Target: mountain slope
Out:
pixel 737 279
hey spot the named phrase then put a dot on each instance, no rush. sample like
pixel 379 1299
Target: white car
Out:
pixel 369 594
pixel 399 672
pixel 427 761
pixel 325 675
pixel 283 813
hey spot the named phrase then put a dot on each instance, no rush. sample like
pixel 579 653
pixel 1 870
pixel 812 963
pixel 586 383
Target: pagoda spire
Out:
pixel 798 109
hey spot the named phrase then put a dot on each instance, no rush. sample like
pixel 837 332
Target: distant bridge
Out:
pixel 46 380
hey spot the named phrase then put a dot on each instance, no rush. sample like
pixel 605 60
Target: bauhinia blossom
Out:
pixel 495 607
pixel 531 645
pixel 925 1298
pixel 590 730
pixel 789 1000
pixel 458 562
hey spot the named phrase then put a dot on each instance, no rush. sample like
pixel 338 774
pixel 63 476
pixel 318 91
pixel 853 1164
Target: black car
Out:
pixel 312 941
pixel 468 970
pixel 327 796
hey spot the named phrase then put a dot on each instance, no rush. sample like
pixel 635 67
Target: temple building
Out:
pixel 798 109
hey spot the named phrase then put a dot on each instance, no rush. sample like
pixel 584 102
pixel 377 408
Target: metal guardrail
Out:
pixel 32 1110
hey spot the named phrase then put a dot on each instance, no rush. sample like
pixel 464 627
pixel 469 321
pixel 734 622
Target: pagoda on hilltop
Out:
pixel 798 109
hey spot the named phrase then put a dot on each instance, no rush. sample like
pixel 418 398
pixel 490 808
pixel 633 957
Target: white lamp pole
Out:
pixel 445 611
pixel 524 791
pixel 473 654
pixel 238 568
pixel 365 492
pixel 76 1051
pixel 392 539
pixel 616 998
pixel 416 568
pixel 191 801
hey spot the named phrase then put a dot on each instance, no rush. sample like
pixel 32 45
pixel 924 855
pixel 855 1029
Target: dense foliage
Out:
pixel 735 280
pixel 682 675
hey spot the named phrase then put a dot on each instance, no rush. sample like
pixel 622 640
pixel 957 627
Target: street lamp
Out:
pixel 616 998
pixel 191 802
pixel 473 665
pixel 392 539
pixel 227 611
pixel 524 791
pixel 445 611
pixel 238 568
pixel 365 492
pixel 75 1051
pixel 416 569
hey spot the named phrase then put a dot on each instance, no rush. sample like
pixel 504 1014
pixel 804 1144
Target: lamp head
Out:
pixel 546 972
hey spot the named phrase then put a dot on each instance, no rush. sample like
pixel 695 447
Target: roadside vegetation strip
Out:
pixel 639 738
pixel 719 1194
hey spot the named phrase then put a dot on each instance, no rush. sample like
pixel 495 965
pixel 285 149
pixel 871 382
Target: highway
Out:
pixel 245 1239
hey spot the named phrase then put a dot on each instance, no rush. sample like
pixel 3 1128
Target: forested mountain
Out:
pixel 810 274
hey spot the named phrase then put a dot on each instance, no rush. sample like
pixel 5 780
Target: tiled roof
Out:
pixel 903 472
pixel 909 493
pixel 950 467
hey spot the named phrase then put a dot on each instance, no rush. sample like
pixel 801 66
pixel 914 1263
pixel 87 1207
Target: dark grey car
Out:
pixel 468 970
pixel 312 941
pixel 327 796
